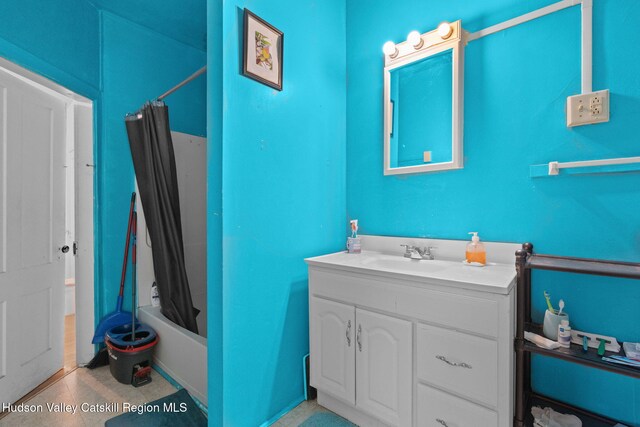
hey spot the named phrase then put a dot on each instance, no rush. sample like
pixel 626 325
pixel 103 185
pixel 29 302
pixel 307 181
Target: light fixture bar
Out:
pixel 417 43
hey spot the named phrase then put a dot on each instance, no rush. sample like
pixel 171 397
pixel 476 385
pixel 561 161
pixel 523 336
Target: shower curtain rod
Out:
pixel 182 83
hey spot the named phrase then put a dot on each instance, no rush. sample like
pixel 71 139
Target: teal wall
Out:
pixel 119 65
pixel 58 41
pixel 214 215
pixel 516 84
pixel 283 187
pixel 183 20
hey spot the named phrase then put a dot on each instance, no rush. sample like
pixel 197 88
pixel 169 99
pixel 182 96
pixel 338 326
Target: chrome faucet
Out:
pixel 415 252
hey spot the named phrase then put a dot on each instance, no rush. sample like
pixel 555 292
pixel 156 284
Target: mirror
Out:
pixel 423 105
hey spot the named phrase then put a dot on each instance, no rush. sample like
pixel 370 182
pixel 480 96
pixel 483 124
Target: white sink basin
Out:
pixel 395 263
pixel 496 277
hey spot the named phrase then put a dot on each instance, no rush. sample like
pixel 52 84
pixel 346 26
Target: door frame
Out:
pixel 81 110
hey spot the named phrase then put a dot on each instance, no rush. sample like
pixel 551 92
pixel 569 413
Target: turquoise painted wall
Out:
pixel 184 20
pixel 59 41
pixel 214 215
pixel 134 72
pixel 283 187
pixel 516 84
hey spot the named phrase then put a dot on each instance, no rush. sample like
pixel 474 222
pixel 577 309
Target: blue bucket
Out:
pixel 122 336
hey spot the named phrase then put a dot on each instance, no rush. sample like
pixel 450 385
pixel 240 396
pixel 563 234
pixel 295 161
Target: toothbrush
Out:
pixel 561 304
pixel 548 298
pixel 601 347
pixel 585 342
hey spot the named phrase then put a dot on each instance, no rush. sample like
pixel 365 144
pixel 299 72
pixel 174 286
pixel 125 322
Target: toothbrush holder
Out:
pixel 551 322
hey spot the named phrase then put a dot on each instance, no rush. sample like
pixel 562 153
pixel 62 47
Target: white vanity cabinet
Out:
pixel 332 342
pixel 432 346
pixel 356 349
pixel 383 367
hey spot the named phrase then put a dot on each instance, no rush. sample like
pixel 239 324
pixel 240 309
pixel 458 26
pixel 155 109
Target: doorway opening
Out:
pixel 46 206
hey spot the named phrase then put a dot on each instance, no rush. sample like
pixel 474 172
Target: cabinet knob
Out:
pixel 442 422
pixel 461 364
pixel 349 333
pixel 358 337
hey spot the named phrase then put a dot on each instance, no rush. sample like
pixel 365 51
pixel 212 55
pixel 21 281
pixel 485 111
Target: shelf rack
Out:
pixel 526 261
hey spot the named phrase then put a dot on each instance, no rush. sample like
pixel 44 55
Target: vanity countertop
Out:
pixel 494 277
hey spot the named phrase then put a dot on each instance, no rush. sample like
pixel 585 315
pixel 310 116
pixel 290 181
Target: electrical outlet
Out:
pixel 588 108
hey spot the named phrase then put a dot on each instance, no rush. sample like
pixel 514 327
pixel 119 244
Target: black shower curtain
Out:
pixel 155 168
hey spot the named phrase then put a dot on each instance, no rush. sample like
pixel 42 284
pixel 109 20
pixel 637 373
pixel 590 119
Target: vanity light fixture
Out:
pixel 390 49
pixel 416 43
pixel 415 39
pixel 445 30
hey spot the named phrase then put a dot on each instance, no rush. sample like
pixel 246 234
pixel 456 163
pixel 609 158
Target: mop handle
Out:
pixel 126 249
pixel 133 276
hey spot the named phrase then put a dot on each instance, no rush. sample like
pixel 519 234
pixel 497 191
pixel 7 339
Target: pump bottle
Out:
pixel 476 252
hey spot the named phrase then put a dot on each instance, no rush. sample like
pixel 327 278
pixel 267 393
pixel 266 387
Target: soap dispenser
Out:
pixel 476 252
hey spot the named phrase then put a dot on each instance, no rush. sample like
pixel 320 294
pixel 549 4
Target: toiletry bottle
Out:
pixel 476 251
pixel 564 334
pixel 155 295
pixel 353 242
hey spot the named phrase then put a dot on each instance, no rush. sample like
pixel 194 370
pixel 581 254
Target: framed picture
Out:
pixel 262 52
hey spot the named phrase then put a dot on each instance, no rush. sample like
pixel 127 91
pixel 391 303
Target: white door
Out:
pixel 32 232
pixel 83 156
pixel 332 343
pixel 383 367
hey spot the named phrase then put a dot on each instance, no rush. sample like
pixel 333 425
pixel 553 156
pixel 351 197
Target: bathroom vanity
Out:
pixel 403 342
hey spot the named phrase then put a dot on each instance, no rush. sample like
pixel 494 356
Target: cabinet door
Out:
pixel 332 346
pixel 383 367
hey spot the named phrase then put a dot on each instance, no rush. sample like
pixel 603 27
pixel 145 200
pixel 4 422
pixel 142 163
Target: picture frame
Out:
pixel 262 51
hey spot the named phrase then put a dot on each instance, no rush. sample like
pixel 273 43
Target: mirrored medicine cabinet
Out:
pixel 423 102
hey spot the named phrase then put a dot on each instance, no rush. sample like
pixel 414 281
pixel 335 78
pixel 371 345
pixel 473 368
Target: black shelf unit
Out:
pixel 525 398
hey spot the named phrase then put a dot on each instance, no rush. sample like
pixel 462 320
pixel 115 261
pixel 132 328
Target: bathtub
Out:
pixel 180 353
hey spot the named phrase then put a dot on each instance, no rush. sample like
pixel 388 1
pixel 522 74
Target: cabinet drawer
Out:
pixel 457 311
pixel 462 363
pixel 438 409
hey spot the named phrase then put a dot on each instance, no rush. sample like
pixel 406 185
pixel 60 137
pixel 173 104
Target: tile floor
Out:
pixel 86 386
pixel 299 414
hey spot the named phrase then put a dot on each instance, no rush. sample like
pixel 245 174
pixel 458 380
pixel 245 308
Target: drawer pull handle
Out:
pixel 358 337
pixel 462 364
pixel 443 422
pixel 349 333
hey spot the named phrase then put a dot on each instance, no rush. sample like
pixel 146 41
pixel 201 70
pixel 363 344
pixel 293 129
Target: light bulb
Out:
pixel 389 48
pixel 444 30
pixel 415 40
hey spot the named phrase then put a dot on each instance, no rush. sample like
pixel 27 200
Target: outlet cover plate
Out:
pixel 588 108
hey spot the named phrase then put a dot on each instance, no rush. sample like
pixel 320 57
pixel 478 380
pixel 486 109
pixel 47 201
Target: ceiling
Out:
pixel 182 20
